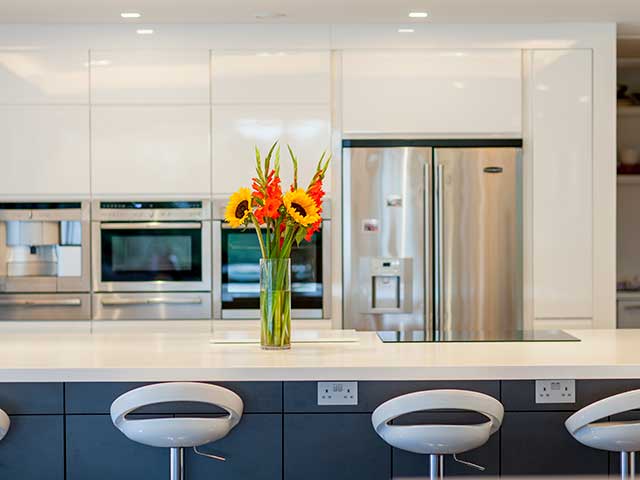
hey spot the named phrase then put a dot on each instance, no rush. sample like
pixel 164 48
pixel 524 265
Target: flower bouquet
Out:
pixel 279 221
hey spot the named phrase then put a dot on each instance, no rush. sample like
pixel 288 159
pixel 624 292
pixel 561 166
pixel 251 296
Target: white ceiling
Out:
pixel 625 12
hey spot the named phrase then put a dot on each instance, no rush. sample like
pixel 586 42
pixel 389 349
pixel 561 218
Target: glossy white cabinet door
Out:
pixel 44 150
pixel 44 76
pixel 270 77
pixel 150 150
pixel 562 184
pixel 237 128
pixel 432 92
pixel 150 76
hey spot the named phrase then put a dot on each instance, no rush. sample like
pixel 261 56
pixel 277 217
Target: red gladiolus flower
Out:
pixel 271 196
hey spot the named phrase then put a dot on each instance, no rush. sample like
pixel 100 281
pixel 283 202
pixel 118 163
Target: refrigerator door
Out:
pixel 478 240
pixel 384 234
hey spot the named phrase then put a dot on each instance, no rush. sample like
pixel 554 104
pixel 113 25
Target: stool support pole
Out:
pixel 436 467
pixel 177 464
pixel 627 465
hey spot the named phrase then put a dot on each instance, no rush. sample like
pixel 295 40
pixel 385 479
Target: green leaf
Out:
pixel 267 160
pixel 278 161
pixel 300 234
pixel 259 165
pixel 295 167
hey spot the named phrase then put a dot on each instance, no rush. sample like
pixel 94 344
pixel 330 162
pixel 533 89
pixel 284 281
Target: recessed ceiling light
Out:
pixel 418 14
pixel 144 31
pixel 270 15
pixel 130 15
pixel 406 30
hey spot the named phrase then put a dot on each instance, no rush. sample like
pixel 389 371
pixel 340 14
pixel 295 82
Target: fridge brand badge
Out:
pixel 394 201
pixel 493 170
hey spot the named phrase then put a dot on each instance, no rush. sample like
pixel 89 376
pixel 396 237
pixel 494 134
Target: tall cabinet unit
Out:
pixel 44 123
pixel 561 168
pixel 259 97
pixel 150 123
pixel 432 93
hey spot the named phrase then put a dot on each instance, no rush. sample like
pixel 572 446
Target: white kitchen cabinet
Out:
pixel 432 92
pixel 562 165
pixel 150 150
pixel 237 128
pixel 44 76
pixel 281 77
pixel 150 76
pixel 44 151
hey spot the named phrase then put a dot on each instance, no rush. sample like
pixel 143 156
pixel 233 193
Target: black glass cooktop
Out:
pixel 418 336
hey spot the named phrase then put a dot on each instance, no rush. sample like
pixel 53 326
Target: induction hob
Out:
pixel 418 336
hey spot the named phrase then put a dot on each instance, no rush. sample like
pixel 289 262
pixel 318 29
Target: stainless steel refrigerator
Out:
pixel 432 238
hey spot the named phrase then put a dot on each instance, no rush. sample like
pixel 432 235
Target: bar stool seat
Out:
pixel 5 423
pixel 618 436
pixel 177 433
pixel 438 440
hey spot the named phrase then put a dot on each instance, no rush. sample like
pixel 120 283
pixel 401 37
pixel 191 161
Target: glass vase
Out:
pixel 275 303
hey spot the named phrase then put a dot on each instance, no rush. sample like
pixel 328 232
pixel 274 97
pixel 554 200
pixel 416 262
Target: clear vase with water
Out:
pixel 275 303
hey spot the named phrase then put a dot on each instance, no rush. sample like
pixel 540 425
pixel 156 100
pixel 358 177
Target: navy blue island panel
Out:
pixel 63 431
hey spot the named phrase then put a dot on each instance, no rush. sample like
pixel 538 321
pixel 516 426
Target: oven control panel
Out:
pixel 151 210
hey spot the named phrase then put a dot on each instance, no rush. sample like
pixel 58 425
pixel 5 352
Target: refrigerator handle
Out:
pixel 439 246
pixel 428 256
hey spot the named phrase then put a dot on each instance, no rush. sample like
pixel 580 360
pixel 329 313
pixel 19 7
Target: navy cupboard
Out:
pixel 63 431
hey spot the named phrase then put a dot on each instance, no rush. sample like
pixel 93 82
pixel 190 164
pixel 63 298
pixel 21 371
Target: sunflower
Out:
pixel 301 207
pixel 239 208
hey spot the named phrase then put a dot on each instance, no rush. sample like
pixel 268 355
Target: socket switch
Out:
pixel 337 393
pixel 555 391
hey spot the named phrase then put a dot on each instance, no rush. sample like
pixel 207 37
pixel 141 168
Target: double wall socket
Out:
pixel 337 393
pixel 555 391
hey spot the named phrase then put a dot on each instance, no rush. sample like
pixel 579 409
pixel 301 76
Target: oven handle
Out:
pixel 69 302
pixel 150 225
pixel 151 301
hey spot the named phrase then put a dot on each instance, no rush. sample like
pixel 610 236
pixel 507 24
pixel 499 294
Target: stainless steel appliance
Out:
pixel 151 259
pixel 628 310
pixel 44 261
pixel 236 273
pixel 433 237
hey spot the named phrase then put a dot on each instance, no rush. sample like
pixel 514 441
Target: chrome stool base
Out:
pixel 436 467
pixel 177 463
pixel 627 465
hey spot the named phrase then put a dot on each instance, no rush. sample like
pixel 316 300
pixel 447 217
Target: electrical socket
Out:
pixel 555 391
pixel 337 393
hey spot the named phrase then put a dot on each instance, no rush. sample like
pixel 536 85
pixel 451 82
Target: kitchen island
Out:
pixel 57 385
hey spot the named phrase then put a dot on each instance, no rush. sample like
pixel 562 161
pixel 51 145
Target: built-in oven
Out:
pixel 151 259
pixel 236 273
pixel 44 260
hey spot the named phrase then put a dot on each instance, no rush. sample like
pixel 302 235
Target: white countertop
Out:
pixel 182 351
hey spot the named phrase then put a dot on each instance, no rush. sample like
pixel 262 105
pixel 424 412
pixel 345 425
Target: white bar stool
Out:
pixel 623 437
pixel 5 423
pixel 438 440
pixel 177 433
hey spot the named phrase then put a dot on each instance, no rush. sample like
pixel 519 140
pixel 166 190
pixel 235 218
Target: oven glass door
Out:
pixel 241 273
pixel 151 252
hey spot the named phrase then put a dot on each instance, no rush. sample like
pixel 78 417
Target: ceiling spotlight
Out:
pixel 418 14
pixel 130 15
pixel 144 31
pixel 270 15
pixel 406 30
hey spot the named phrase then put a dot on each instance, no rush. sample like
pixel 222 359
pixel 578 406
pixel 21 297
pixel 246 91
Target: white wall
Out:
pixel 31 73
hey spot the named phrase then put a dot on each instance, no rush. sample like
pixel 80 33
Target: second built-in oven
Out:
pixel 151 260
pixel 236 272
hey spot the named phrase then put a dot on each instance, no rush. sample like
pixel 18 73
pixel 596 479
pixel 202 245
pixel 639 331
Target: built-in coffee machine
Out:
pixel 44 261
